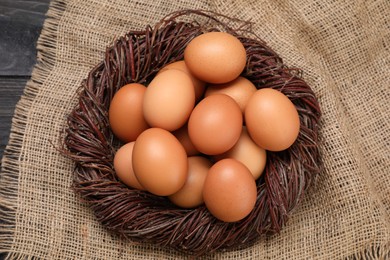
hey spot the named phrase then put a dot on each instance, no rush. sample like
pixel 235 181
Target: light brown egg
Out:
pixel 249 153
pixel 123 166
pixel 159 162
pixel 272 120
pixel 229 190
pixel 191 194
pixel 240 89
pixel 215 124
pixel 215 57
pixel 183 137
pixel 125 113
pixel 169 100
pixel 199 86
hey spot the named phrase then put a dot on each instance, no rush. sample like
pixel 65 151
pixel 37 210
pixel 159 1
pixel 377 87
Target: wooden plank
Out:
pixel 20 26
pixel 11 88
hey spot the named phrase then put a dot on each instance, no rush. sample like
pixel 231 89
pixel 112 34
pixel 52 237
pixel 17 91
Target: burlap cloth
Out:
pixel 343 48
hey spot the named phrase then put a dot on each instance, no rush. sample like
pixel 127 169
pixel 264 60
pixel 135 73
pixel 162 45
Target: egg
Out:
pixel 159 162
pixel 249 153
pixel 125 113
pixel 215 124
pixel 123 166
pixel 169 100
pixel 240 89
pixel 183 137
pixel 272 120
pixel 191 194
pixel 215 57
pixel 199 86
pixel 229 191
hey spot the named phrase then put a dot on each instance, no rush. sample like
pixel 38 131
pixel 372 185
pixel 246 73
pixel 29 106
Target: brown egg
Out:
pixel 191 195
pixel 229 190
pixel 199 86
pixel 123 166
pixel 215 124
pixel 159 162
pixel 249 153
pixel 272 120
pixel 183 137
pixel 215 57
pixel 125 113
pixel 169 100
pixel 240 89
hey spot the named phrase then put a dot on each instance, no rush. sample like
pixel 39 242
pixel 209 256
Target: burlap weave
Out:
pixel 343 48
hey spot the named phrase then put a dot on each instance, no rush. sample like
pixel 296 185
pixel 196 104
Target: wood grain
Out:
pixel 20 26
pixel 10 90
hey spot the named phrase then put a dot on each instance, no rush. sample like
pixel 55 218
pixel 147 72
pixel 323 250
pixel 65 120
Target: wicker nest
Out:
pixel 141 216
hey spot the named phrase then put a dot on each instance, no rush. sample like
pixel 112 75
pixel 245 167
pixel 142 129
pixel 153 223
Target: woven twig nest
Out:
pixel 141 216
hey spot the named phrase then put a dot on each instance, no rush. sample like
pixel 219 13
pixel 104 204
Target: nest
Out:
pixel 141 216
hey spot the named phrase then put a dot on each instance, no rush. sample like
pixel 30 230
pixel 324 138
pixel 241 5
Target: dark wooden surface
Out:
pixel 20 25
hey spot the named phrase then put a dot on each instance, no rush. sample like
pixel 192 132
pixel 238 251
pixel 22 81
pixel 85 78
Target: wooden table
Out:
pixel 20 25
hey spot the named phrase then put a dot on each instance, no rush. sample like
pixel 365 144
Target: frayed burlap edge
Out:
pixel 9 181
pixel 375 252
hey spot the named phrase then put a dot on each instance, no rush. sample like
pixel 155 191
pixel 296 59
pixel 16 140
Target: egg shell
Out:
pixel 199 86
pixel 272 120
pixel 159 162
pixel 229 191
pixel 240 89
pixel 215 124
pixel 191 194
pixel 215 57
pixel 249 153
pixel 169 100
pixel 126 113
pixel 183 137
pixel 123 166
